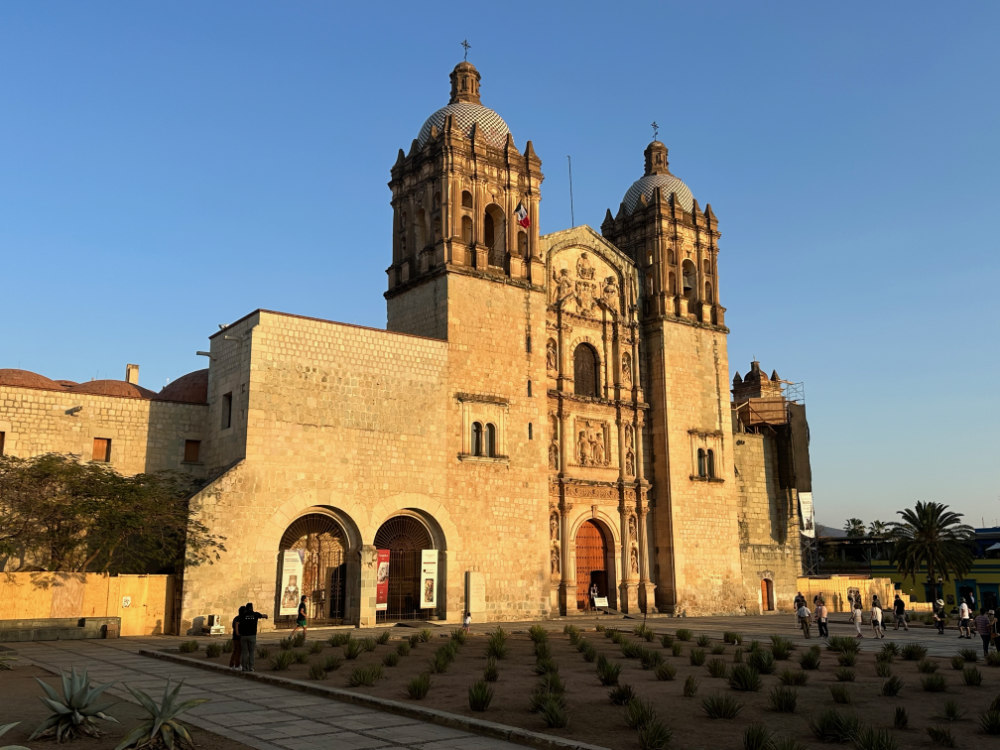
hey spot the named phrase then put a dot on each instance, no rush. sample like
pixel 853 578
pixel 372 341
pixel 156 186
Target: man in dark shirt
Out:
pixel 248 636
pixel 899 611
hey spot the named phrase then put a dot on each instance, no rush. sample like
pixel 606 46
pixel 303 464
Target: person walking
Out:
pixel 899 612
pixel 300 620
pixel 856 617
pixel 803 614
pixel 821 619
pixel 964 629
pixel 939 616
pixel 985 629
pixel 877 620
pixel 248 636
pixel 466 621
pixel 234 657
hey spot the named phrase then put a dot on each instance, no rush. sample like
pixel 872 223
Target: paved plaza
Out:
pixel 272 717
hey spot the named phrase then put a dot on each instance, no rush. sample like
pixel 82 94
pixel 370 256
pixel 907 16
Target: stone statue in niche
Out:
pixel 555 561
pixel 627 370
pixel 551 360
pixel 630 464
pixel 562 284
pixel 632 528
pixel 629 437
pixel 597 448
pixel 554 455
pixel 634 561
pixel 610 292
pixel 584 449
pixel 554 526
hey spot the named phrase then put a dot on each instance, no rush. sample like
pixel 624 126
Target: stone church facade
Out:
pixel 546 412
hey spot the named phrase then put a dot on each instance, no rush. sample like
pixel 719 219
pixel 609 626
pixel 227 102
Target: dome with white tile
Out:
pixel 467 111
pixel 658 176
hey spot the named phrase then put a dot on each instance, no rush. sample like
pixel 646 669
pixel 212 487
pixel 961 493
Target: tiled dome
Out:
pixel 657 176
pixel 190 389
pixel 118 388
pixel 667 184
pixel 489 124
pixel 27 379
pixel 467 110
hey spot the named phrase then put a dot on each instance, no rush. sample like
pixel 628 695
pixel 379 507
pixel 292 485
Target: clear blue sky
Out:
pixel 166 167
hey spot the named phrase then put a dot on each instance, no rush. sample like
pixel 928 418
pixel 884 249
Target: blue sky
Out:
pixel 167 167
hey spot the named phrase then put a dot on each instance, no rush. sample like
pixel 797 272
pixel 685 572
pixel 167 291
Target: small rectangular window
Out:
pixel 191 450
pixel 102 449
pixel 227 410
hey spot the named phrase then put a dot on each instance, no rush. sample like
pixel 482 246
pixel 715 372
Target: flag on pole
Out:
pixel 521 214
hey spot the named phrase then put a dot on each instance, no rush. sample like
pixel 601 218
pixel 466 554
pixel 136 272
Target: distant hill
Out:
pixel 829 531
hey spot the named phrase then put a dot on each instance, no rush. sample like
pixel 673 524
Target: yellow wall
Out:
pixel 34 596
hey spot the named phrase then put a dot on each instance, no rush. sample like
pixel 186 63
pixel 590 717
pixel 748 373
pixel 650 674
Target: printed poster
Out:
pixel 807 513
pixel 428 578
pixel 291 581
pixel 382 580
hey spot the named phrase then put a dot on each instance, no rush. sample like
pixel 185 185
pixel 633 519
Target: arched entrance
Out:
pixel 767 594
pixel 321 544
pixel 404 537
pixel 594 563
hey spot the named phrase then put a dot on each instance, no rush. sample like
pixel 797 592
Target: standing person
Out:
pixel 803 614
pixel 821 622
pixel 466 621
pixel 985 629
pixel 248 636
pixel 964 630
pixel 234 657
pixel 939 616
pixel 877 619
pixel 856 617
pixel 300 619
pixel 899 611
pixel 594 593
pixel 799 600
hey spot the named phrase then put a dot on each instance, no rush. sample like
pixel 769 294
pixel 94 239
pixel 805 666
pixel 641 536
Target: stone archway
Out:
pixel 594 563
pixel 322 546
pixel 405 537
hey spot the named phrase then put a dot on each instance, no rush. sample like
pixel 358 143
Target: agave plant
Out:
pixel 75 710
pixel 4 728
pixel 162 727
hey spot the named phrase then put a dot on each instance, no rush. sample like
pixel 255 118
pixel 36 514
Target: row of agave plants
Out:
pixel 77 709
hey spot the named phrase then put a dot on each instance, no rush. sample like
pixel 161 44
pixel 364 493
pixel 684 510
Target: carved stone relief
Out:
pixel 592 444
pixel 627 370
pixel 551 357
pixel 629 464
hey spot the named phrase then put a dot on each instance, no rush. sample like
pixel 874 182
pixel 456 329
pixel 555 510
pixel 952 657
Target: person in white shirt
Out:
pixel 964 630
pixel 877 621
pixel 856 617
pixel 803 615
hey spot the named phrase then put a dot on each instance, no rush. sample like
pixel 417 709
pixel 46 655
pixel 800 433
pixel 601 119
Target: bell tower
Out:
pixel 465 201
pixel 694 529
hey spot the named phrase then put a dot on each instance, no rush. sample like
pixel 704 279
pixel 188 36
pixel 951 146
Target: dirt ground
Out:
pixel 19 701
pixel 593 718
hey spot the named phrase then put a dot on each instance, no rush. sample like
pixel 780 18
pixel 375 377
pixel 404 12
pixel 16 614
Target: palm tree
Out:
pixel 933 539
pixel 878 528
pixel 854 527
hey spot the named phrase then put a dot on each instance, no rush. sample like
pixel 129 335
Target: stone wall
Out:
pixel 146 436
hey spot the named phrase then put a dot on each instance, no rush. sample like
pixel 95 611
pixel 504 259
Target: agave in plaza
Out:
pixel 4 728
pixel 162 727
pixel 75 710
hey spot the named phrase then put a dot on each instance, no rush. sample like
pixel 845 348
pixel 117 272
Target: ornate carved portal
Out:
pixel 592 444
pixel 594 563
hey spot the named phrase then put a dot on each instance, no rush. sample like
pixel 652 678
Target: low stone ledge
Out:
pixel 59 629
pixel 432 715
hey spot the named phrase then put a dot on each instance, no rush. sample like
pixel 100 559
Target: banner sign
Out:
pixel 382 580
pixel 291 580
pixel 428 577
pixel 807 513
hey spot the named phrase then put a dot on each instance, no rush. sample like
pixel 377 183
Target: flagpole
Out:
pixel 572 217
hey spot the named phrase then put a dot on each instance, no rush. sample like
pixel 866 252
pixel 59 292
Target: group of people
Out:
pixel 985 624
pixel 821 614
pixel 245 635
pixel 805 616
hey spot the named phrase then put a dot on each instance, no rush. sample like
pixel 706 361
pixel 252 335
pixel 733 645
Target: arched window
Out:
pixel 466 199
pixel 586 378
pixel 710 463
pixel 495 235
pixel 467 230
pixel 702 463
pixel 491 440
pixel 690 279
pixel 477 439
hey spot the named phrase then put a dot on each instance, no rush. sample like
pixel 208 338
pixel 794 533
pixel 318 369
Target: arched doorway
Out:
pixel 321 544
pixel 767 594
pixel 593 563
pixel 404 537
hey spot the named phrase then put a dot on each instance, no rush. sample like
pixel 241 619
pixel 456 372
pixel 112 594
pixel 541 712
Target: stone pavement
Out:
pixel 262 716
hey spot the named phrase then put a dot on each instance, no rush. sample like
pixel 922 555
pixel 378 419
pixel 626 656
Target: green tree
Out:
pixel 931 539
pixel 878 528
pixel 59 514
pixel 854 527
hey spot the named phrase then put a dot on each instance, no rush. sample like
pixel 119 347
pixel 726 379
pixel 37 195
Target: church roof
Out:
pixel 466 111
pixel 191 388
pixel 658 176
pixel 28 379
pixel 119 388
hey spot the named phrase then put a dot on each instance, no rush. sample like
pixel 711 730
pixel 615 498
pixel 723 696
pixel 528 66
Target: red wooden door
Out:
pixel 591 562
